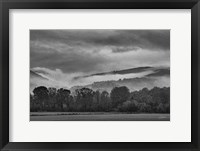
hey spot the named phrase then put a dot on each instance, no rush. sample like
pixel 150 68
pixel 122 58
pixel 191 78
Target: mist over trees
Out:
pixel 120 99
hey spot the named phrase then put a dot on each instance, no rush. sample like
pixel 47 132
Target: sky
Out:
pixel 60 54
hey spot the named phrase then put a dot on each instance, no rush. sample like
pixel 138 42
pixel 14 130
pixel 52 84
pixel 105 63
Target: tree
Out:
pixel 160 99
pixel 52 98
pixel 129 106
pixel 97 97
pixel 41 95
pixel 156 100
pixel 119 95
pixel 144 108
pixel 84 98
pixel 96 101
pixel 105 103
pixel 32 103
pixel 63 98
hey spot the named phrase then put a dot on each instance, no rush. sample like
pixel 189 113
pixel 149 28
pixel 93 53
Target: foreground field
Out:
pixel 93 116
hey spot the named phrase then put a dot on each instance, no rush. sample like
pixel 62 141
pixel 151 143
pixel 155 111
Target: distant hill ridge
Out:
pixel 124 71
pixel 132 83
pixel 36 75
pixel 158 76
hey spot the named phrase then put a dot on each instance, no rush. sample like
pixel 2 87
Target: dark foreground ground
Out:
pixel 94 116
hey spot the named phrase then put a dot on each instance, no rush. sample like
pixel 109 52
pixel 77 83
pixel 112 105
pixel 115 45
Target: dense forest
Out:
pixel 120 99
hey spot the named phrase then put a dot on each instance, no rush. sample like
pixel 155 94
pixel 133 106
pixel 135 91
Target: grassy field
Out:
pixel 96 116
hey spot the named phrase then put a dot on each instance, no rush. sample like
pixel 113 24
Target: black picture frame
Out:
pixel 5 5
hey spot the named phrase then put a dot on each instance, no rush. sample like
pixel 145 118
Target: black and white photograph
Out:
pixel 100 75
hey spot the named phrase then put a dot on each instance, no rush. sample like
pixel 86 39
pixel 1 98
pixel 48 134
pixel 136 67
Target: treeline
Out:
pixel 120 99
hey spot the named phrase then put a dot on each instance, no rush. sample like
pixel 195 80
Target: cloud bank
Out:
pixel 61 55
pixel 89 51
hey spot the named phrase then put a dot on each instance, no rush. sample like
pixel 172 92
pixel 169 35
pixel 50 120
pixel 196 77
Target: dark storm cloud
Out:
pixel 145 39
pixel 81 50
pixel 70 62
pixel 151 40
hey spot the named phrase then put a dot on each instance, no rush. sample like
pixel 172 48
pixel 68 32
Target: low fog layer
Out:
pixel 134 81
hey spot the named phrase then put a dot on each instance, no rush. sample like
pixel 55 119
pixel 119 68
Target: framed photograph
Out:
pixel 99 75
